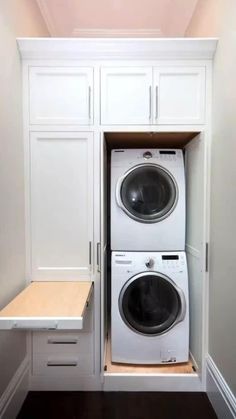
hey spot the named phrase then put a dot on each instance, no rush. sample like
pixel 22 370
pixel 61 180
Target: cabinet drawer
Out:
pixel 62 343
pixel 63 365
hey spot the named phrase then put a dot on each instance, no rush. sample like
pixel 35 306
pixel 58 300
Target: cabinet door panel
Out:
pixel 126 95
pixel 61 205
pixel 179 95
pixel 61 95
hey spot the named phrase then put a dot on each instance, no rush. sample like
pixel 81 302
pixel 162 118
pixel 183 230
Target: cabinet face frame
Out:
pixel 48 116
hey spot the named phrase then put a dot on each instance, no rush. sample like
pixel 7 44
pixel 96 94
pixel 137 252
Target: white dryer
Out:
pixel 147 200
pixel 149 308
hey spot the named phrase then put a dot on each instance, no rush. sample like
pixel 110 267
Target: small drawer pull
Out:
pixel 62 364
pixel 52 341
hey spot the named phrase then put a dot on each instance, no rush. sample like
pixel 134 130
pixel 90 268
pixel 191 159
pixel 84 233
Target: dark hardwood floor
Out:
pixel 116 405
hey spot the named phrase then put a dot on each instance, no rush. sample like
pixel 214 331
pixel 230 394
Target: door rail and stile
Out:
pixel 48 306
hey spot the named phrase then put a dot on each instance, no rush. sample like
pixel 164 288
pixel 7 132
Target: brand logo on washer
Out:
pixel 120 255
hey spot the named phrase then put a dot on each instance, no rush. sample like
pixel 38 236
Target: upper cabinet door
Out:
pixel 179 95
pixel 126 95
pixel 61 205
pixel 61 95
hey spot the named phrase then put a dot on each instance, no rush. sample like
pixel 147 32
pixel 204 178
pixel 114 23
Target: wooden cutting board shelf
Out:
pixel 48 305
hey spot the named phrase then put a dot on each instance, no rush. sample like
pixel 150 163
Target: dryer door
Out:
pixel 148 193
pixel 151 303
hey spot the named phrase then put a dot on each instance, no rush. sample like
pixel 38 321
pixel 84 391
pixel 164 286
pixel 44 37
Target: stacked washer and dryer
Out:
pixel 149 279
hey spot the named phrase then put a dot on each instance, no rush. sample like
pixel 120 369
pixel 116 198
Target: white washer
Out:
pixel 149 308
pixel 147 200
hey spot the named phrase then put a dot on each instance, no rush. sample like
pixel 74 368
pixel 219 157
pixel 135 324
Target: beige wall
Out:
pixel 17 18
pixel 218 17
pixel 205 21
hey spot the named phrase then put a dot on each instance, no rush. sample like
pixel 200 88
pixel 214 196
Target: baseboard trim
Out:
pixel 50 383
pixel 219 393
pixel 15 393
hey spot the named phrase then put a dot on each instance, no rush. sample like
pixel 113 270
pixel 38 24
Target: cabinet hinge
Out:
pixel 206 257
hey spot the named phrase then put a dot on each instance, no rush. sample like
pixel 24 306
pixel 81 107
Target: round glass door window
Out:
pixel 148 193
pixel 150 304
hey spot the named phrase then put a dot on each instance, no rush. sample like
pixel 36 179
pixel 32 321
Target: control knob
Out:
pixel 147 155
pixel 150 263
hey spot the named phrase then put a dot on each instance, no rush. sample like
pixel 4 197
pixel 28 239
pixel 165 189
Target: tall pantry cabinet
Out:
pixel 82 97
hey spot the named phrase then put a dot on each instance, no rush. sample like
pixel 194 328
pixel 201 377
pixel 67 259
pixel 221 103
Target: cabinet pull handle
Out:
pixel 89 102
pixel 156 115
pixel 90 254
pixel 62 342
pixel 150 102
pixel 99 257
pixel 62 364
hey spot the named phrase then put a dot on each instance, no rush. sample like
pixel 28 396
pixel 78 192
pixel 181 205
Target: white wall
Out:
pixel 218 17
pixel 17 18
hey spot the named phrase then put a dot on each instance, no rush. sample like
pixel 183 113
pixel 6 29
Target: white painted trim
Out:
pixel 16 391
pixel 194 362
pixel 219 393
pixel 193 251
pixel 109 33
pixel 80 383
pixel 47 17
pixel 116 49
pixel 152 382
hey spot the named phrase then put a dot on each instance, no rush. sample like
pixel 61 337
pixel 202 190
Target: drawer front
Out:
pixel 63 365
pixel 62 343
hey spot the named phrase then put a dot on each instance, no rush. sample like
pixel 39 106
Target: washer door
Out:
pixel 148 193
pixel 151 304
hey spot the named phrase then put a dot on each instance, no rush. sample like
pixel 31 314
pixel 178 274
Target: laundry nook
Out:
pixel 119 200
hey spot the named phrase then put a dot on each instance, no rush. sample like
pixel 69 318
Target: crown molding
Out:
pixel 117 48
pixel 44 10
pixel 116 33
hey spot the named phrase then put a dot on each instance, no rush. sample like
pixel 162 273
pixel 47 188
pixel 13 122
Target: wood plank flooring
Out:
pixel 116 405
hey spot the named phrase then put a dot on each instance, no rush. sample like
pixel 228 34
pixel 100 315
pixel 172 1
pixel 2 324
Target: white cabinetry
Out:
pixel 61 95
pixel 61 201
pixel 157 96
pixel 126 95
pixel 179 95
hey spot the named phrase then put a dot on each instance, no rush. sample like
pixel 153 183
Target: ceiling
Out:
pixel 147 18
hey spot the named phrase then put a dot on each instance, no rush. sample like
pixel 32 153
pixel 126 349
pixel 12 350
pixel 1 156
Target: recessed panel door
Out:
pixel 179 95
pixel 61 95
pixel 61 204
pixel 126 95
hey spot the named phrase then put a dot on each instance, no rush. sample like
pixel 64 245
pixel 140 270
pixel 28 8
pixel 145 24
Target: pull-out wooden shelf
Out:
pixel 48 305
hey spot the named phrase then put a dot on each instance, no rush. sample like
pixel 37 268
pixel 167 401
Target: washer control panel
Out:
pixel 164 261
pixel 135 262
